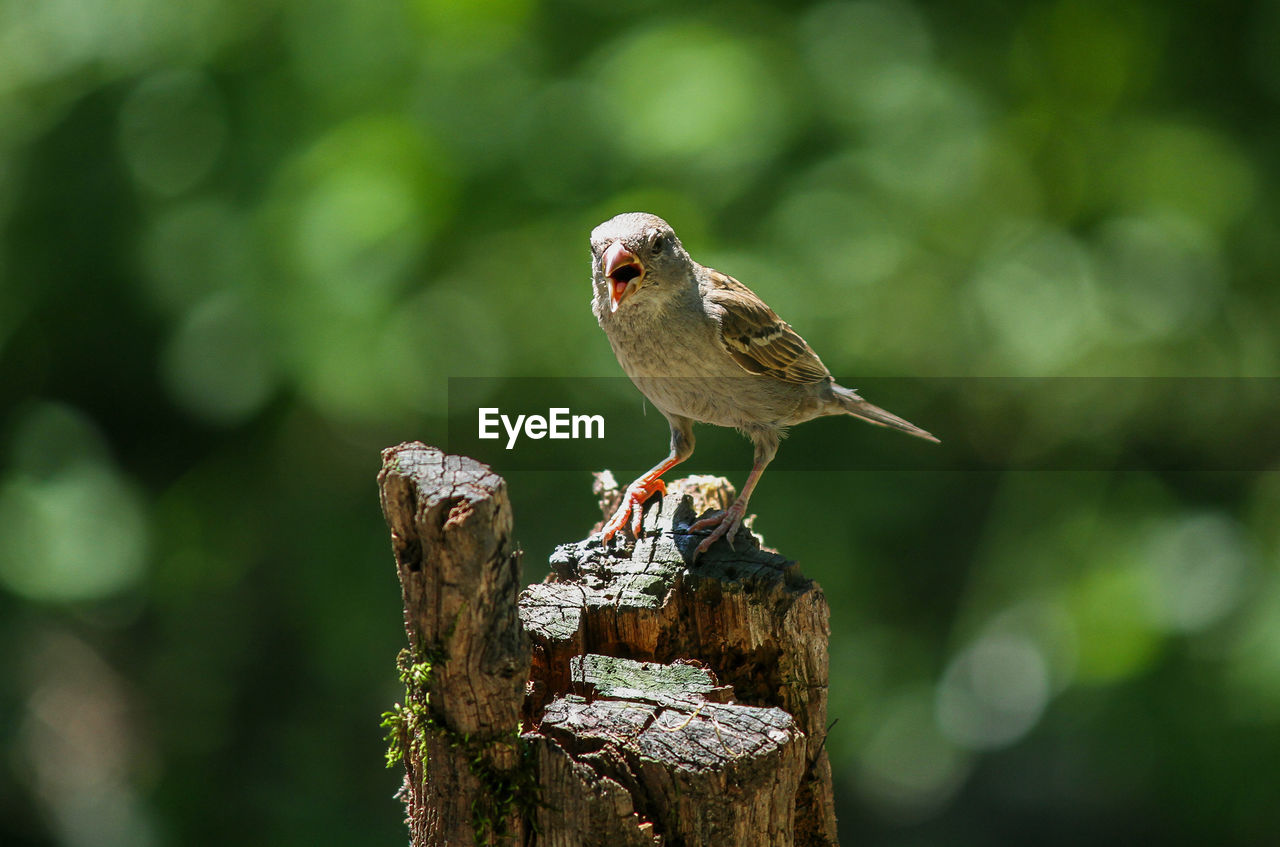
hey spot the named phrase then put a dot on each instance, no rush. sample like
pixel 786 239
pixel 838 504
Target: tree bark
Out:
pixel 668 702
pixel 468 657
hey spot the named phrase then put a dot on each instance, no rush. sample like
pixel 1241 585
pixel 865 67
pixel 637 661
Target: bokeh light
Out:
pixel 718 106
pixel 172 129
pixel 75 528
pixel 908 770
pixel 993 693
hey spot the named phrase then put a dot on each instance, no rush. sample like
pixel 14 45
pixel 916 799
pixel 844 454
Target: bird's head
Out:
pixel 636 255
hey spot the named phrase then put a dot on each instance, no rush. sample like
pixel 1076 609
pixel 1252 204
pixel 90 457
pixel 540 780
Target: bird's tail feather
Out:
pixel 859 408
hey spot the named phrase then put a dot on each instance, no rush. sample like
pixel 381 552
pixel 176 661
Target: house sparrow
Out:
pixel 702 347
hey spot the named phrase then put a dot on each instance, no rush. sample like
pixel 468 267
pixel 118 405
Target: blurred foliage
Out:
pixel 246 243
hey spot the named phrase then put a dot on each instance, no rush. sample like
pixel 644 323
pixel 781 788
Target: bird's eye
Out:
pixel 658 243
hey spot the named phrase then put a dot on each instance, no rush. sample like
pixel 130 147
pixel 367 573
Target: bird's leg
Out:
pixel 631 509
pixel 725 524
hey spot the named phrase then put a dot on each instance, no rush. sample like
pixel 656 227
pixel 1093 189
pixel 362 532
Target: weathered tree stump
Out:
pixel 468 656
pixel 668 702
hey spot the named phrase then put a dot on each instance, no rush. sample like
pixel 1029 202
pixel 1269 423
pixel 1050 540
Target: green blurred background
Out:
pixel 245 243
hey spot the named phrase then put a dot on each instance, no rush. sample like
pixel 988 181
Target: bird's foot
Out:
pixel 723 525
pixel 631 509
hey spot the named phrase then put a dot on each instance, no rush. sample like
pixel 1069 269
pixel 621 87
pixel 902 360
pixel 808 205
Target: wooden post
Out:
pixel 468 657
pixel 667 703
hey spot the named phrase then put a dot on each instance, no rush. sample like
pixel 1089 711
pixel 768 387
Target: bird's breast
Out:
pixel 678 363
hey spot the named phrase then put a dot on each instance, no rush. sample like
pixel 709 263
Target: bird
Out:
pixel 704 348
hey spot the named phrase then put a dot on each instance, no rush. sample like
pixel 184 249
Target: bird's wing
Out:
pixel 757 339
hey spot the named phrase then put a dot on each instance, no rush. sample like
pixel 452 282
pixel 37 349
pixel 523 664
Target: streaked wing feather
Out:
pixel 757 339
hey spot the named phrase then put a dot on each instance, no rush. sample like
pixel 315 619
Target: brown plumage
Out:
pixel 757 339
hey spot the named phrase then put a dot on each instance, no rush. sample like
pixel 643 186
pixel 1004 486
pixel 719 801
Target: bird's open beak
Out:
pixel 624 270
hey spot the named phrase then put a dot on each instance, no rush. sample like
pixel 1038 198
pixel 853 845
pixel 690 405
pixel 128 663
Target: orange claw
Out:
pixel 632 507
